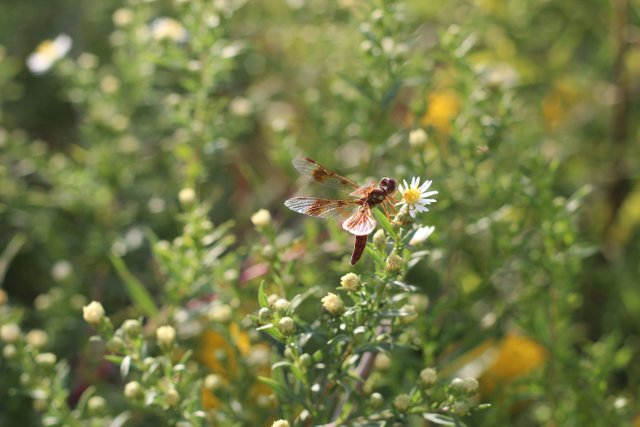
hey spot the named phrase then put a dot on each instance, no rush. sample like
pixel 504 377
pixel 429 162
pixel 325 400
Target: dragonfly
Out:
pixel 354 213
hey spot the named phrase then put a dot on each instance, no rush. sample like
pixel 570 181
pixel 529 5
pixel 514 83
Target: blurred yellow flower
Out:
pixel 516 357
pixel 558 103
pixel 220 354
pixel 442 107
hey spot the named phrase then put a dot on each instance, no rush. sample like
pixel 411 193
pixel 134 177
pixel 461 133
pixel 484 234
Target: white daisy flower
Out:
pixel 415 196
pixel 47 53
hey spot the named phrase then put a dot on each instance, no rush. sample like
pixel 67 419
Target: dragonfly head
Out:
pixel 388 184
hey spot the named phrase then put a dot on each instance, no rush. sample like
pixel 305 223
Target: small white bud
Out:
pixel 166 337
pixel 133 390
pixel 37 338
pixel 281 305
pixel 333 304
pixel 213 382
pixel 171 396
pixel 417 137
pixel 287 325
pixel 96 404
pixel 402 402
pixel 93 313
pixel 428 376
pixel 10 333
pixel 187 196
pixel 46 359
pixel 261 219
pixel 350 282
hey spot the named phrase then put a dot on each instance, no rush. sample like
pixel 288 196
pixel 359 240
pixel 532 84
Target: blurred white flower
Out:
pixel 421 235
pixel 416 196
pixel 61 270
pixel 261 218
pixel 47 53
pixel 168 28
pixel 417 137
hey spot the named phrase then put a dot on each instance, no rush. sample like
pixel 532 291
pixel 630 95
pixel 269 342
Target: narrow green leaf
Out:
pixel 278 388
pixel 262 296
pixel 9 252
pixel 136 290
pixel 384 222
pixel 373 253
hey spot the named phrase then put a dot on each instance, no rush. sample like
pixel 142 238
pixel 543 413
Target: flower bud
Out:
pixel 394 263
pixel 280 423
pixel 460 408
pixel 380 239
pixel 428 377
pixel 281 305
pixel 264 315
pixel 9 351
pixel 261 219
pixel 220 313
pixel 350 282
pixel 166 337
pixel 133 390
pixel 470 386
pixel 402 402
pixel 46 360
pixel 213 382
pixel 287 325
pixel 93 313
pixel 457 385
pixel 333 304
pixel 306 360
pixel 376 400
pixel 132 328
pixel 187 196
pixel 417 138
pixel 37 338
pixel 409 313
pixel 382 362
pixel 96 405
pixel 115 345
pixel 171 396
pixel 10 333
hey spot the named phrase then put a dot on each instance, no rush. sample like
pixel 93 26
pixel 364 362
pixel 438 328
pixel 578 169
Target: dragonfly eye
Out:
pixel 388 184
pixel 391 186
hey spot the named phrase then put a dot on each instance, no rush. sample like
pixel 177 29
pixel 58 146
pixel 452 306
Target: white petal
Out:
pixel 38 64
pixel 425 185
pixel 63 45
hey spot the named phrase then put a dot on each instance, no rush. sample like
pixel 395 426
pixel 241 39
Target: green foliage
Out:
pixel 146 169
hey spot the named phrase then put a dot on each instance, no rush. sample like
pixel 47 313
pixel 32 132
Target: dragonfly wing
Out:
pixel 315 172
pixel 361 222
pixel 322 208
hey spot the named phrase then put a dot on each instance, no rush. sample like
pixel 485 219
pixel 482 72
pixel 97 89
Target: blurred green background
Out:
pixel 530 110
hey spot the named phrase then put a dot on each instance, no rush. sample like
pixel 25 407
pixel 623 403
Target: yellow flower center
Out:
pixel 47 48
pixel 411 196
